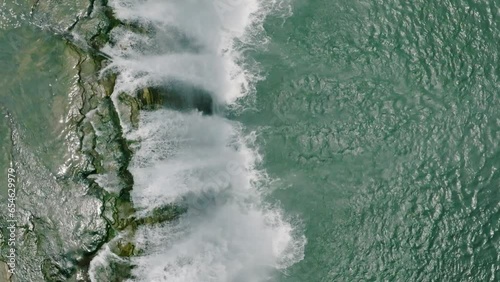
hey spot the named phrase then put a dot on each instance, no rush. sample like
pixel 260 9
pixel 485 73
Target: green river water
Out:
pixel 378 121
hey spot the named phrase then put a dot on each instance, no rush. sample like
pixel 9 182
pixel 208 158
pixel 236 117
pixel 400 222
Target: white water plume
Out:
pixel 203 162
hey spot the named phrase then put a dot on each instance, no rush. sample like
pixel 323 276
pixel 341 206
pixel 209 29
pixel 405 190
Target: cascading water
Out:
pixel 203 162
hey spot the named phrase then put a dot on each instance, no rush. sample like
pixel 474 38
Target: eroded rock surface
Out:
pixel 80 207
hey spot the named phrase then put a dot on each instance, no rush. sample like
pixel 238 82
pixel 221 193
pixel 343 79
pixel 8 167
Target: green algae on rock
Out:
pixel 58 244
pixel 50 225
pixel 176 96
pixel 150 98
pixel 49 249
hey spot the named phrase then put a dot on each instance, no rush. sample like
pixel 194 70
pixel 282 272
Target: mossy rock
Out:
pixel 124 249
pixel 150 98
pixel 123 214
pixel 176 96
pixel 52 271
pixel 108 82
pixel 162 214
pixel 131 109
pixel 4 272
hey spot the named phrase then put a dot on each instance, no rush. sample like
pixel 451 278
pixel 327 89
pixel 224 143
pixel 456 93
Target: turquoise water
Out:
pixel 381 121
pixel 361 138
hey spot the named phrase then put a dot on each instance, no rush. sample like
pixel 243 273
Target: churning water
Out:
pixel 203 162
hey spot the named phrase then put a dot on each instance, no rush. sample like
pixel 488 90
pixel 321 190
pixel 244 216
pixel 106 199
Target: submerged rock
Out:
pixel 58 209
pixel 110 267
pixel 89 198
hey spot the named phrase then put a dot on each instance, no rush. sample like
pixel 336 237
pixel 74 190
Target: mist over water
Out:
pixel 378 122
pixel 202 162
pixel 191 42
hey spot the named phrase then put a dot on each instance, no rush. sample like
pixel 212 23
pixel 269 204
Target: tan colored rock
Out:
pixel 150 98
pixel 4 272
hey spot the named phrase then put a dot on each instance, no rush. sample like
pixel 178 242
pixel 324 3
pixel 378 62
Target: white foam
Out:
pixel 187 152
pixel 100 266
pixel 204 163
pixel 209 26
pixel 230 243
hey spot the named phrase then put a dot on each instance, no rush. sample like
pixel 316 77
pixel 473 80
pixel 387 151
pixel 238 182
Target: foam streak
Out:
pixel 203 162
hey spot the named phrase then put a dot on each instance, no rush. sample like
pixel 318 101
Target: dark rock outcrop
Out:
pixel 176 96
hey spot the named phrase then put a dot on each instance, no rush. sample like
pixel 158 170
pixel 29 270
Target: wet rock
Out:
pixel 4 272
pixel 58 214
pixel 176 96
pixel 123 212
pixel 54 271
pixel 111 155
pixel 124 248
pixel 150 98
pixel 94 30
pixel 108 82
pixel 161 214
pixel 62 220
pixel 61 15
pixel 108 266
pixel 90 200
pixel 128 108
